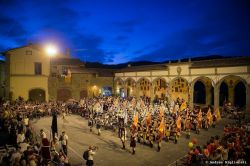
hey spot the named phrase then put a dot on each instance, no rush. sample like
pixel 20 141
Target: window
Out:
pixel 28 52
pixel 38 68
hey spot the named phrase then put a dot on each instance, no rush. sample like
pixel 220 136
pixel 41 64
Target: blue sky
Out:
pixel 118 31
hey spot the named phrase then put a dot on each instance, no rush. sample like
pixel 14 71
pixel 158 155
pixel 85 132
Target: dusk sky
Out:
pixel 118 31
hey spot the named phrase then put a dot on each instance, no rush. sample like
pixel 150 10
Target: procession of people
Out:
pixel 142 120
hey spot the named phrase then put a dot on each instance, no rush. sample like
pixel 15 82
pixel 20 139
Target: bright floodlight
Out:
pixel 51 50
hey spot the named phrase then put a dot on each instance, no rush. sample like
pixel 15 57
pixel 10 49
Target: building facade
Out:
pixel 70 79
pixel 2 79
pixel 32 75
pixel 207 82
pixel 27 72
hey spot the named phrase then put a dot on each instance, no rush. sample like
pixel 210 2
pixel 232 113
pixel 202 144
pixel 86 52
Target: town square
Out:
pixel 140 83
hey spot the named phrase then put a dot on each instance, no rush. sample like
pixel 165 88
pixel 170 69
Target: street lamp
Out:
pixel 51 50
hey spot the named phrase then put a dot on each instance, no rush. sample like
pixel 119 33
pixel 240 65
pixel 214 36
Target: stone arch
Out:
pixel 160 86
pixel 229 82
pixel 205 78
pixel 203 90
pixel 119 80
pixel 235 78
pixel 157 78
pixel 144 87
pixel 130 85
pixel 179 88
pixel 37 94
pixel 64 94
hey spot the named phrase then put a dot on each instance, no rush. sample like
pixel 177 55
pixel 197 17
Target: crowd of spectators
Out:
pixel 233 147
pixel 20 144
pixel 104 112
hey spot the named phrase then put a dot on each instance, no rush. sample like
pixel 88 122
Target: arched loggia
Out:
pixel 130 87
pixel 144 87
pixel 160 88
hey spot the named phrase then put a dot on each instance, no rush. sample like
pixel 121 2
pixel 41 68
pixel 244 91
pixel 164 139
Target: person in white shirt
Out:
pixel 20 137
pixel 26 121
pixel 91 153
pixel 16 156
pixel 42 134
pixel 64 142
pixel 24 146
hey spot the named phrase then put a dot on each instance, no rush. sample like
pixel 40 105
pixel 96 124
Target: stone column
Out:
pixel 208 95
pixel 248 100
pixel 125 91
pixel 191 96
pixel 216 96
pixel 152 96
pixel 231 94
pixel 137 90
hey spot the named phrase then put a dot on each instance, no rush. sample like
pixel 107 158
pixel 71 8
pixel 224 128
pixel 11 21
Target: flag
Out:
pixel 161 126
pixel 161 113
pixel 116 102
pixel 142 104
pixel 209 117
pixel 199 117
pixel 217 114
pixel 183 106
pixel 133 102
pixel 187 115
pixel 125 104
pixel 148 118
pixel 125 116
pixel 178 122
pixel 173 110
pixel 135 120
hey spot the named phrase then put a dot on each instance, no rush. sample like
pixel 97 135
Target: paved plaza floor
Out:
pixel 110 152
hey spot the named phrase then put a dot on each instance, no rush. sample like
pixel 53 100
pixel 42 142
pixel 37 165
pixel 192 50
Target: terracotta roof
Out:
pixel 100 72
pixel 143 68
pixel 237 61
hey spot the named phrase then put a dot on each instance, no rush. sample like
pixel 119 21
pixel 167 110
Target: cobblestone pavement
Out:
pixel 110 152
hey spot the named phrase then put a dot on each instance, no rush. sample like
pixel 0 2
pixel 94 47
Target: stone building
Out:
pixel 72 80
pixel 31 74
pixel 2 79
pixel 205 82
pixel 27 71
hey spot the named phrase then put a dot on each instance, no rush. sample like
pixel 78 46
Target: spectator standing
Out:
pixel 91 153
pixel 42 134
pixel 64 142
